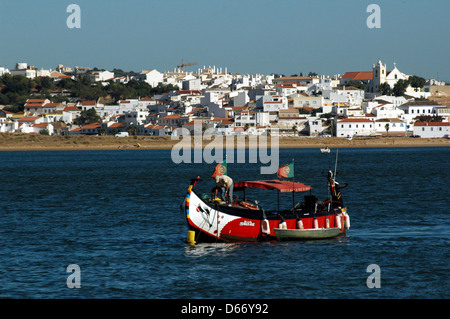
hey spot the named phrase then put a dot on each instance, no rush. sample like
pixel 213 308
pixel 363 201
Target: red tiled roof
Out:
pixel 29 119
pixel 189 91
pixel 364 75
pixel 432 124
pixel 90 126
pixel 118 125
pixel 349 75
pixel 71 108
pixel 223 120
pixel 176 116
pixel 355 120
pixel 195 122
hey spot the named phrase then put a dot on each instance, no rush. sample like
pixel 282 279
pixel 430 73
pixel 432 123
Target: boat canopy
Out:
pixel 282 186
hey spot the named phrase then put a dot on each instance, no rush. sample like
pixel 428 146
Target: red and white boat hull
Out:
pixel 214 222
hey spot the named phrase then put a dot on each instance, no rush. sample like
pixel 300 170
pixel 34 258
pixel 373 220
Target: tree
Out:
pixel 294 128
pixel 357 84
pixel 44 83
pixel 387 128
pixel 66 83
pixel 400 87
pixel 14 91
pixel 385 89
pixel 132 129
pixel 429 118
pixel 416 81
pixel 87 117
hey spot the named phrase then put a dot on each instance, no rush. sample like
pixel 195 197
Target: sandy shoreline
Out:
pixel 27 142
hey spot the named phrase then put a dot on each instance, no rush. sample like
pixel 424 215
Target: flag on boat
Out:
pixel 286 171
pixel 221 169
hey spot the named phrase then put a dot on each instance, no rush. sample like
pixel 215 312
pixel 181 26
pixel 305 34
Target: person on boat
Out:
pixel 226 182
pixel 219 193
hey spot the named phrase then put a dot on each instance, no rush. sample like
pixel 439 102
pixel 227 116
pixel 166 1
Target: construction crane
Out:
pixel 182 65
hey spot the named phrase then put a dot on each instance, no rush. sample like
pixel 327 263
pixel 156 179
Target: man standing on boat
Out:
pixel 226 182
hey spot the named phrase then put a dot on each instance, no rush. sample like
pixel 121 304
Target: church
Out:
pixel 381 75
pixel 374 79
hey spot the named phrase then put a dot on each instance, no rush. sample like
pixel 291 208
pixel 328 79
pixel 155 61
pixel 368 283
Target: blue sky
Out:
pixel 246 36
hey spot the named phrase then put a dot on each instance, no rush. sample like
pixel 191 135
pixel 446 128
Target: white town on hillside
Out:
pixel 235 104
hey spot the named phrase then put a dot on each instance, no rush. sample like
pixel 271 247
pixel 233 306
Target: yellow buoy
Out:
pixel 191 237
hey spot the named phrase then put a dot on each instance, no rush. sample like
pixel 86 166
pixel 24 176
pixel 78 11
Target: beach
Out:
pixel 35 142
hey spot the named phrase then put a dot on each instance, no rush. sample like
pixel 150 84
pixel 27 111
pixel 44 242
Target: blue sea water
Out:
pixel 116 215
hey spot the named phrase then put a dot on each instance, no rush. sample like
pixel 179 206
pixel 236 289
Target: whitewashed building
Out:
pixel 274 103
pixel 251 119
pixel 152 77
pixel 431 129
pixel 395 126
pixel 28 73
pixel 101 76
pixel 352 96
pixel 3 70
pixel 413 110
pixel 315 125
pixel 387 111
pixel 308 101
pixel 350 127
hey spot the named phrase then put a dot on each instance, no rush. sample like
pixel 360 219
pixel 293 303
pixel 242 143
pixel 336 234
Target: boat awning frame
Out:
pixel 284 186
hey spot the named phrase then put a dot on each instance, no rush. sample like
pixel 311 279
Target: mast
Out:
pixel 335 164
pixel 293 185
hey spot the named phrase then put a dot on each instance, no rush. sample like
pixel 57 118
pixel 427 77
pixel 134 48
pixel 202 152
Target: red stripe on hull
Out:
pixel 244 229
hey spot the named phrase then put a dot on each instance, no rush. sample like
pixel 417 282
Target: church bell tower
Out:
pixel 379 75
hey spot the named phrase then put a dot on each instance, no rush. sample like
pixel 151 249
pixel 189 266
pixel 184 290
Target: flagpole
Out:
pixel 293 185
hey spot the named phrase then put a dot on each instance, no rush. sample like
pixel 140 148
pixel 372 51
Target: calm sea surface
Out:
pixel 116 215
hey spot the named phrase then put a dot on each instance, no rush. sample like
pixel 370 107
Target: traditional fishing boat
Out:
pixel 210 220
pixel 325 150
